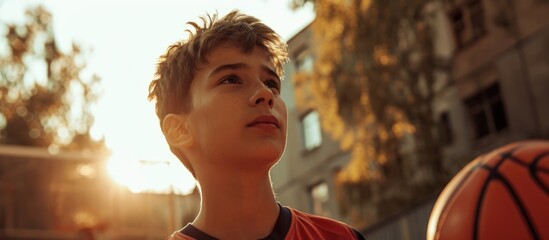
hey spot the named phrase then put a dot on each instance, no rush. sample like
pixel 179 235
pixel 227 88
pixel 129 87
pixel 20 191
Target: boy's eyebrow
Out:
pixel 235 66
pixel 270 71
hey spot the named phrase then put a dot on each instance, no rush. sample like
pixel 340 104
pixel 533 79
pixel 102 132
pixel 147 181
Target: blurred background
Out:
pixel 387 100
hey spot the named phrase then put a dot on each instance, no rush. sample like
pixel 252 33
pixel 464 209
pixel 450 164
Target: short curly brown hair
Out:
pixel 176 68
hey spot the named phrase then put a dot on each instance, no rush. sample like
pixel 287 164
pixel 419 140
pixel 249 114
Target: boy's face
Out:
pixel 238 118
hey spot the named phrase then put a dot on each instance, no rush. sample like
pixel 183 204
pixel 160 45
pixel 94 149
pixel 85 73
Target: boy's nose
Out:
pixel 263 96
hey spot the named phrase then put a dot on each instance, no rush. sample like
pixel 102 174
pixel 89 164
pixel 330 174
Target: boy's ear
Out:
pixel 176 132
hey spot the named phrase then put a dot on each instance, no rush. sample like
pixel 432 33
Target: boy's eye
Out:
pixel 273 85
pixel 230 79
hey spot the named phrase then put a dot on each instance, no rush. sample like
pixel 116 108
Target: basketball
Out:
pixel 503 194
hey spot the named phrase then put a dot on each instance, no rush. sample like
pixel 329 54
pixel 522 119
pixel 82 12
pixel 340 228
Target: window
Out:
pixel 476 16
pixel 445 130
pixel 320 197
pixel 305 64
pixel 487 112
pixel 304 61
pixel 312 135
pixel 468 22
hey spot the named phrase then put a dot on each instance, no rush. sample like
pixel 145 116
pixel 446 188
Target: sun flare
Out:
pixel 149 176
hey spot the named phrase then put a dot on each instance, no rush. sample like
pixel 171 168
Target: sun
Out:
pixel 150 176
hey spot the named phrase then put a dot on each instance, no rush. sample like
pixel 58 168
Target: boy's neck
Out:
pixel 237 207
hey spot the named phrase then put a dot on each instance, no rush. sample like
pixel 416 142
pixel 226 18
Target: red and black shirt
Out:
pixel 290 224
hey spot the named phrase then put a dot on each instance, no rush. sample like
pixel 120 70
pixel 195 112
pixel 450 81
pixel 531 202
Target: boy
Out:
pixel 218 99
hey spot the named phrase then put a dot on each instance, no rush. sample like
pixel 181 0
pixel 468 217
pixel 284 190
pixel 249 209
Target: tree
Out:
pixel 45 101
pixel 374 84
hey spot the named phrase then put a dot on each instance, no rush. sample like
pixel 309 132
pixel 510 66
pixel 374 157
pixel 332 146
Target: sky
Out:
pixel 124 39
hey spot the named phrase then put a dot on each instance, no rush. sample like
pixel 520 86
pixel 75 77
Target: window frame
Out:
pixel 446 132
pixel 305 148
pixel 485 101
pixel 326 210
pixel 467 30
pixel 303 58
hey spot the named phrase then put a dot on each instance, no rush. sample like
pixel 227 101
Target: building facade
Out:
pixel 499 75
pixel 493 89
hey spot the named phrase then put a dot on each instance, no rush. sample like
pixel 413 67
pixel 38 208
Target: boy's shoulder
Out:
pixel 291 224
pixel 309 226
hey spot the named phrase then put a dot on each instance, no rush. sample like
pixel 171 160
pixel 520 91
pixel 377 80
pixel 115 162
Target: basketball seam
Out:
pixel 533 169
pixel 519 204
pixel 479 202
pixel 484 187
pixel 495 175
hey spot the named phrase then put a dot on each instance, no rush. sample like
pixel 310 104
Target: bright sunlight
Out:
pixel 145 176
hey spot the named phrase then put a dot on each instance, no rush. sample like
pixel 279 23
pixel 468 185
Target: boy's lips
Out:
pixel 264 119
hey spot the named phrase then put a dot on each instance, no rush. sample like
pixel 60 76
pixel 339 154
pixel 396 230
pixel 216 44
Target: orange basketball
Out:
pixel 503 194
